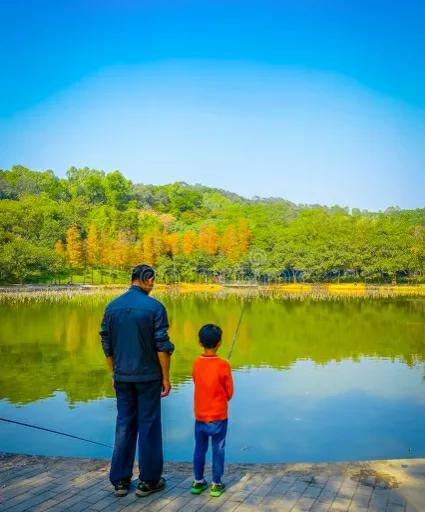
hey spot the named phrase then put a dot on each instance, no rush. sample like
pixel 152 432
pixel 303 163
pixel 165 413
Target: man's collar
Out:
pixel 135 287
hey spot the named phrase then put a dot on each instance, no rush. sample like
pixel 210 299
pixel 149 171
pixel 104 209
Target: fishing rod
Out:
pixel 235 335
pixel 65 434
pixel 53 431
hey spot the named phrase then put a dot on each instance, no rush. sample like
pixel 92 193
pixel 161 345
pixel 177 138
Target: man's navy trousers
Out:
pixel 139 415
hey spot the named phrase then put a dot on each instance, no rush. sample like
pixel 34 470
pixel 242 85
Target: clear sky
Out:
pixel 316 101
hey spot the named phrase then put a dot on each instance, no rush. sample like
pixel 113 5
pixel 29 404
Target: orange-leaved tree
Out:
pixel 230 243
pixel 93 248
pixel 244 236
pixel 105 247
pixel 148 249
pixel 159 241
pixel 59 249
pixel 137 253
pixel 208 239
pixel 173 243
pixel 122 252
pixel 74 248
pixel 188 243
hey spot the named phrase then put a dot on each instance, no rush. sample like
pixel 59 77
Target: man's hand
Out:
pixel 166 388
pixel 164 361
pixel 110 362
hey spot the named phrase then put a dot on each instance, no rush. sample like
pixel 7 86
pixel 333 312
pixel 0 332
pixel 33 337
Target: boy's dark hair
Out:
pixel 142 273
pixel 210 335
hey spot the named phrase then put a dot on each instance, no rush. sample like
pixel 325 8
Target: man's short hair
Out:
pixel 142 273
pixel 210 335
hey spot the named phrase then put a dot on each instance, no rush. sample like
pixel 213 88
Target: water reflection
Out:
pixel 315 380
pixel 55 347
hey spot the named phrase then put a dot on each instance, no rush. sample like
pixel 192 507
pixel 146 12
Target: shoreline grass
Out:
pixel 325 291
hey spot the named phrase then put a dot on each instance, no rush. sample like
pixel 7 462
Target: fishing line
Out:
pixel 235 336
pixel 54 432
pixel 65 434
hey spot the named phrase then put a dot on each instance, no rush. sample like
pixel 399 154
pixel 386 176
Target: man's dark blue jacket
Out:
pixel 134 330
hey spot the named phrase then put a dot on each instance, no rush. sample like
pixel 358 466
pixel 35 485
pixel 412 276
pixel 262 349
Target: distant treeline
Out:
pixel 94 223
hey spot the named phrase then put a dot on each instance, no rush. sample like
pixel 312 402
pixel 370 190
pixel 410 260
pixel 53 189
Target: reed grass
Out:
pixel 297 291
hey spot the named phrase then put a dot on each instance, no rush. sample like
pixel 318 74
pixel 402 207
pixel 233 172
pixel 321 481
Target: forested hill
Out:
pixel 97 222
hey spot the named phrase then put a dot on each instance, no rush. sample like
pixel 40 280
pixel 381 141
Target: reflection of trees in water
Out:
pixel 49 347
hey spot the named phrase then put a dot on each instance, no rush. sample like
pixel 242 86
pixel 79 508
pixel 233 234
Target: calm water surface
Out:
pixel 314 380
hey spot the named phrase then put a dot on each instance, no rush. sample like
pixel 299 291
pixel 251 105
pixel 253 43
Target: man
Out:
pixel 137 347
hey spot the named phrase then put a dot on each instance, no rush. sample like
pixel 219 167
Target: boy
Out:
pixel 213 389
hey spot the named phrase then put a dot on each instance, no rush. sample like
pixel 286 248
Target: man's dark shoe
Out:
pixel 121 488
pixel 146 488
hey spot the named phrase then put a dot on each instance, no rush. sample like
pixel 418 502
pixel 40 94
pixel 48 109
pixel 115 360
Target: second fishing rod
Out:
pixel 238 325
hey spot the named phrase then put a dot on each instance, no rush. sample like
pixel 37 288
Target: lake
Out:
pixel 315 380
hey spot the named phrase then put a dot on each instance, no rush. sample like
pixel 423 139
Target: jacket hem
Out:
pixel 136 378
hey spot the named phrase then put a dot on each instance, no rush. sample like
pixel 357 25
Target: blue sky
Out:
pixel 312 100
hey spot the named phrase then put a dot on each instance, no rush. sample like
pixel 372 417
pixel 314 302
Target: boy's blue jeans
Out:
pixel 203 431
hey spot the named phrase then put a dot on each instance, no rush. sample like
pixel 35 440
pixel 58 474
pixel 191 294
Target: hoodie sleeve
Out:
pixel 228 381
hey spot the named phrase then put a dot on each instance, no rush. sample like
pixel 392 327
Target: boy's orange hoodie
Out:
pixel 213 387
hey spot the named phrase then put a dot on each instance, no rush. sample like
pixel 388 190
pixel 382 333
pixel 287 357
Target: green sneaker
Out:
pixel 217 490
pixel 198 487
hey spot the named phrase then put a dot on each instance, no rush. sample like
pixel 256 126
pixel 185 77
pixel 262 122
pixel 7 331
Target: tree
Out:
pixel 195 231
pixel 188 243
pixel 60 249
pixel 105 250
pixel 159 243
pixel 74 247
pixel 121 253
pixel 417 248
pixel 20 181
pixel 244 236
pixel 208 239
pixel 229 244
pixel 87 183
pixel 117 189
pixel 182 198
pixel 21 260
pixel 148 249
pixel 173 243
pixel 93 246
pixel 137 255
